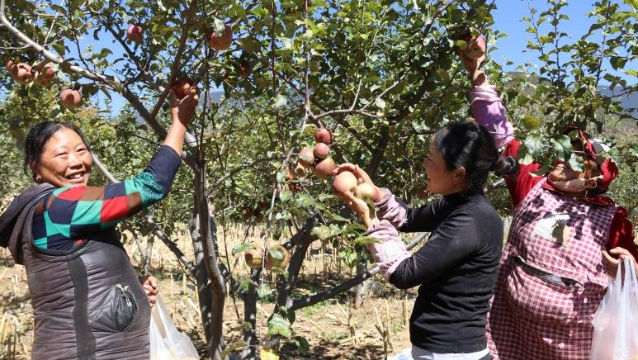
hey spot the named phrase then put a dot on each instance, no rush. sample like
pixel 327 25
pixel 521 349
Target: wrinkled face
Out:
pixel 440 180
pixel 65 160
pixel 563 174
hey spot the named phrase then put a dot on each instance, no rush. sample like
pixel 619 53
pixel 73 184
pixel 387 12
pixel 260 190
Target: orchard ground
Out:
pixel 334 329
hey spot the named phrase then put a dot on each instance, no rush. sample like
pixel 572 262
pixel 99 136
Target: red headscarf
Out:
pixel 608 168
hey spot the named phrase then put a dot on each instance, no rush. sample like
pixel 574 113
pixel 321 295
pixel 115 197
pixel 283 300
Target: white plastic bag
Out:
pixel 616 319
pixel 167 343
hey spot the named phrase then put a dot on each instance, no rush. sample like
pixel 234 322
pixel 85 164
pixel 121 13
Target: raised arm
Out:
pixel 487 107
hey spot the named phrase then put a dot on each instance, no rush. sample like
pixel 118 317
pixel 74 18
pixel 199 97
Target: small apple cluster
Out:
pixel 42 75
pixel 318 159
pixel 277 256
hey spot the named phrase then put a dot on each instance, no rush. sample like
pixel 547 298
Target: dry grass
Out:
pixel 334 328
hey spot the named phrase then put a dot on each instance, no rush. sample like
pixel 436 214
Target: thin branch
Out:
pixel 343 287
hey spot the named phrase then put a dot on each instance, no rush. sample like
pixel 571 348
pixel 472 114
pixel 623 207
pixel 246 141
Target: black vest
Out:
pixel 87 303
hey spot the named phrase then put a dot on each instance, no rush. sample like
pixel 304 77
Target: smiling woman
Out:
pixel 58 153
pixel 87 298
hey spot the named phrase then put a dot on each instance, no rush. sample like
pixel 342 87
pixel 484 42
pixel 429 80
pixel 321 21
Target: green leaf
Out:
pixel 575 162
pixel 279 326
pixel 280 101
pixel 302 345
pixel 241 248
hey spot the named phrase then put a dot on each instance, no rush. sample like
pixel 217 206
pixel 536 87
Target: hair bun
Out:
pixel 505 166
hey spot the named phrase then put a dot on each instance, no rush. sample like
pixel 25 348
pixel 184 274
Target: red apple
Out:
pixel 323 135
pixel 44 76
pixel 183 86
pixel 134 33
pixel 243 69
pixel 321 150
pixel 306 157
pixel 323 169
pixel 70 98
pixel 221 41
pixel 22 73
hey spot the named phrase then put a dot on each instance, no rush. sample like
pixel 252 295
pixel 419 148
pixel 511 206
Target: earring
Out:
pixel 38 179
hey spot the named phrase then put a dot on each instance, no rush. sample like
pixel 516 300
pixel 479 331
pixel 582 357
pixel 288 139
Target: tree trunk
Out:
pixel 203 230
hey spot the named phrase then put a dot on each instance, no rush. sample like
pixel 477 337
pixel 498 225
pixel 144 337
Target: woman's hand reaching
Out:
pixel 183 110
pixel 362 177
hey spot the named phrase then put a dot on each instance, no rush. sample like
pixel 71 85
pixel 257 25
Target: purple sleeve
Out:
pixel 389 251
pixel 390 209
pixel 488 111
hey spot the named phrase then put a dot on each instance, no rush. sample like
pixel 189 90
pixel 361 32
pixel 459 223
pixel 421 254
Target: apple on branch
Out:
pixel 70 98
pixel 306 157
pixel 22 73
pixel 221 41
pixel 45 75
pixel 324 136
pixel 134 33
pixel 324 168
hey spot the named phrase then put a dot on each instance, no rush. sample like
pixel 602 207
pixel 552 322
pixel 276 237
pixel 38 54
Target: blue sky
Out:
pixel 508 19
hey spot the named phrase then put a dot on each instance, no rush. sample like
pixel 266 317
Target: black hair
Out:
pixel 39 135
pixel 471 146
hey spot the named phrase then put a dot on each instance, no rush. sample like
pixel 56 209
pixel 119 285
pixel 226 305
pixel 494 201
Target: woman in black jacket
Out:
pixel 457 267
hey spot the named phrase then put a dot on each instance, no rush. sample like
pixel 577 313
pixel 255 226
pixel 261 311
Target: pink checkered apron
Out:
pixel 551 280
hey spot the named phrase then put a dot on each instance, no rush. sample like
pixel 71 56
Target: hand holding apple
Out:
pixel 183 109
pixel 376 194
pixel 357 196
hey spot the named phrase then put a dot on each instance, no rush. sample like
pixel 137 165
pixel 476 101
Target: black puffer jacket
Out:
pixel 87 304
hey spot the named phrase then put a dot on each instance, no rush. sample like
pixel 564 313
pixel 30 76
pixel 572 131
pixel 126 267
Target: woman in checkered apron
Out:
pixel 564 239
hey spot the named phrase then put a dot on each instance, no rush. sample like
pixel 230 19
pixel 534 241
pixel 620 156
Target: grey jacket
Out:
pixel 87 303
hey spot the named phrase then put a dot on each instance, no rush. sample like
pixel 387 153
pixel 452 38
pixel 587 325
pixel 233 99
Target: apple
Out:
pixel 323 135
pixel 254 256
pixel 183 86
pixel 277 256
pixel 323 169
pixel 221 41
pixel 321 150
pixel 344 182
pixel 476 47
pixel 306 157
pixel 21 73
pixel 364 191
pixel 134 33
pixel 70 98
pixel 243 69
pixel 44 76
